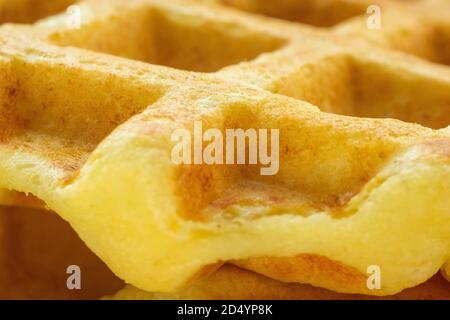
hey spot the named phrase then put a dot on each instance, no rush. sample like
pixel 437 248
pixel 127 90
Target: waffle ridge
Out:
pixel 87 117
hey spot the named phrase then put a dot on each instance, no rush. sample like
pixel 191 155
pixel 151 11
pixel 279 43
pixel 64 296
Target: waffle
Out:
pixel 232 283
pixel 26 275
pixel 88 115
pixel 26 11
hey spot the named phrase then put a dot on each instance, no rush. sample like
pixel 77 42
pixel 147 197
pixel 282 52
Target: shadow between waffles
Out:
pixel 39 250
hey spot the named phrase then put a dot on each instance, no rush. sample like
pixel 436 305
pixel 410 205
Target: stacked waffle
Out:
pixel 361 102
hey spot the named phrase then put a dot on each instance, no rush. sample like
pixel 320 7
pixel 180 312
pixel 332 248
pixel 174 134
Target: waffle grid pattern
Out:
pixel 87 116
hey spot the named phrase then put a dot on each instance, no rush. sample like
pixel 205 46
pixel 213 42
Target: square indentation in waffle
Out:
pixel 169 36
pixel 27 11
pixel 417 27
pixel 60 112
pixel 320 13
pixel 369 87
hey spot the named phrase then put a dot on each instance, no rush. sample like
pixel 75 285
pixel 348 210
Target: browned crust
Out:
pixel 309 268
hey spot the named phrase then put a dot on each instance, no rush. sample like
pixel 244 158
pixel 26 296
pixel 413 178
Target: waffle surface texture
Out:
pixel 87 114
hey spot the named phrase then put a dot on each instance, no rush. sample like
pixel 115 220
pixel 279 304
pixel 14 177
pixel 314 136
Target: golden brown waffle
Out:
pixel 88 113
pixel 38 246
pixel 418 27
pixel 231 283
pixel 26 11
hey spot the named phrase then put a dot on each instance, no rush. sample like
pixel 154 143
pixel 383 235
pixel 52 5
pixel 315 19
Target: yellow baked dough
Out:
pixel 88 133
